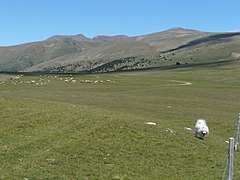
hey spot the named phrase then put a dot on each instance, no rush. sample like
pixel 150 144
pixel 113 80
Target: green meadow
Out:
pixel 53 129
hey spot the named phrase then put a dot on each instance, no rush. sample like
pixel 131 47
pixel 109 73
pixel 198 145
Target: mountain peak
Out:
pixel 77 37
pixel 80 37
pixel 180 29
pixel 103 38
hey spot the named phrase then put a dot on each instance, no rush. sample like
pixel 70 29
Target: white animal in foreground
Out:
pixel 201 129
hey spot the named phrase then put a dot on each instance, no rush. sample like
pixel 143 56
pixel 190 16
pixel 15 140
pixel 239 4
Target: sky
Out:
pixel 23 21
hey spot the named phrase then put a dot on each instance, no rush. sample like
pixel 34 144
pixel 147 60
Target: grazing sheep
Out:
pixel 150 123
pixel 201 129
pixel 170 130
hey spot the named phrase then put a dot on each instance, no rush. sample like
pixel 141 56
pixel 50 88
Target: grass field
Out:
pixel 61 130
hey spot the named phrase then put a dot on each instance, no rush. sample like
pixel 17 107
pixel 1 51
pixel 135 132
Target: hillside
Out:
pixel 76 53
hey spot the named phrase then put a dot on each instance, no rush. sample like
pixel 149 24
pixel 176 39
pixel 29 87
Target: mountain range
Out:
pixel 77 53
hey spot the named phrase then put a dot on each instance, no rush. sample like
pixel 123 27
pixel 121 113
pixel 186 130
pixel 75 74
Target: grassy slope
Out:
pixel 102 54
pixel 63 51
pixel 149 53
pixel 20 57
pixel 140 47
pixel 209 52
pixel 172 38
pixel 98 131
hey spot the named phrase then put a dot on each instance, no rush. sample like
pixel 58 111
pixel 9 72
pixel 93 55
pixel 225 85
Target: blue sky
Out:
pixel 25 21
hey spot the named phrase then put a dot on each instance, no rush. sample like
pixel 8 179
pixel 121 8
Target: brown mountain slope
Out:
pixel 77 53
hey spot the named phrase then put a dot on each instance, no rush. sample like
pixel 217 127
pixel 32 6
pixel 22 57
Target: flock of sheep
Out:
pixel 43 80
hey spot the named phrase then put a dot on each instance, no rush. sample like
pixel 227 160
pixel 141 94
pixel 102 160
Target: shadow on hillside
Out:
pixel 168 67
pixel 213 39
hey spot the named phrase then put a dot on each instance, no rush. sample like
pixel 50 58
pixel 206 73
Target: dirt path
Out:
pixel 181 83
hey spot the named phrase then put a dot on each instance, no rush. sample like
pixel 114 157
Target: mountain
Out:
pixel 77 53
pixel 111 38
pixel 78 37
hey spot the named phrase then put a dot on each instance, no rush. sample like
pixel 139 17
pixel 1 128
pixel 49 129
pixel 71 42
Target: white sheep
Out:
pixel 201 129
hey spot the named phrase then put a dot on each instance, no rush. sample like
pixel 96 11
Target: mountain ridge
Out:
pixel 76 53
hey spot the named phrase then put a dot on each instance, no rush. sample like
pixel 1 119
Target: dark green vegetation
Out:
pixel 118 53
pixel 67 130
